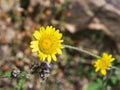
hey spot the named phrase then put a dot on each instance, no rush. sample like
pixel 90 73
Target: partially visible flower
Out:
pixel 47 43
pixel 103 63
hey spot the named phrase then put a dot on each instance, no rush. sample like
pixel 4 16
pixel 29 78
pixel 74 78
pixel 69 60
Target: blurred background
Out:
pixel 93 25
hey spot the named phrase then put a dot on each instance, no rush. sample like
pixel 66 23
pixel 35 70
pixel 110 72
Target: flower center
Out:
pixel 103 64
pixel 46 46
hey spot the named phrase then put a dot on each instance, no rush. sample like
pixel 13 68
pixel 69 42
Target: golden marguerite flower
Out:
pixel 47 43
pixel 103 63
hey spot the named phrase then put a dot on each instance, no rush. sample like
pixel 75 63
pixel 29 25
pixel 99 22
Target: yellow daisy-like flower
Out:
pixel 47 43
pixel 103 63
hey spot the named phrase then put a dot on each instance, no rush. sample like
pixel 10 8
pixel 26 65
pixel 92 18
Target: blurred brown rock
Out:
pixel 7 5
pixel 107 13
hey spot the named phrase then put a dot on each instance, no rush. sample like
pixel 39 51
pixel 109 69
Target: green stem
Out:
pixel 114 67
pixel 43 85
pixel 106 80
pixel 81 50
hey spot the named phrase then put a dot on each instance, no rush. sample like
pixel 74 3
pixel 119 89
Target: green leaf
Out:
pixel 5 74
pixel 97 85
pixel 22 76
pixel 113 80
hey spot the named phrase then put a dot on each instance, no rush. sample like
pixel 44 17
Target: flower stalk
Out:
pixel 81 50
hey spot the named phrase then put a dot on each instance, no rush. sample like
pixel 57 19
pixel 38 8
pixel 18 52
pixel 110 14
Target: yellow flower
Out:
pixel 47 43
pixel 103 63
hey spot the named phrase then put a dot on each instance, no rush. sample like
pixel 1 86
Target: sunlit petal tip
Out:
pixel 57 31
pixel 42 29
pixel 34 50
pixel 51 27
pixel 48 27
pixel 111 60
pixel 110 55
pixel 105 54
pixel 97 69
pixel 60 36
pixel 33 42
pixel 32 46
pixel 36 34
pixel 43 59
pixel 54 57
pixel 95 65
pixel 59 52
pixel 61 41
pixel 103 72
pixel 49 59
pixel 62 46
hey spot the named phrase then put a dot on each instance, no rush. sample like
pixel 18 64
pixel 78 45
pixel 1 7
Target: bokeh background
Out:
pixel 93 25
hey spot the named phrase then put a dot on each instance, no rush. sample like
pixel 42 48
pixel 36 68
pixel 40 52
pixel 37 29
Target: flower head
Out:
pixel 47 43
pixel 103 63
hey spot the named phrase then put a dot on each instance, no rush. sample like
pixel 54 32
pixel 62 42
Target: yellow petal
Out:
pixel 59 36
pixel 103 72
pixel 59 51
pixel 105 55
pixel 42 29
pixel 61 41
pixel 110 56
pixel 34 42
pixel 41 56
pixel 57 31
pixel 48 28
pixel 61 46
pixel 97 69
pixel 35 49
pixel 36 35
pixel 34 46
pixel 49 58
pixel 53 29
pixel 112 59
pixel 54 57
